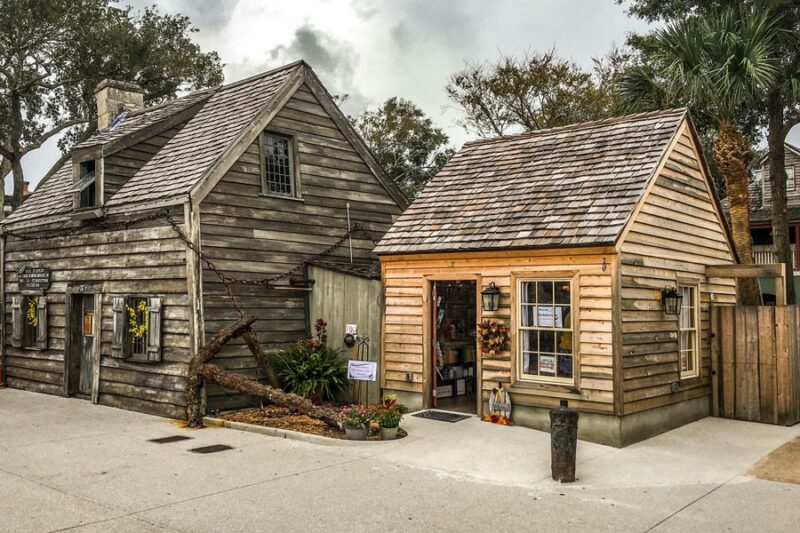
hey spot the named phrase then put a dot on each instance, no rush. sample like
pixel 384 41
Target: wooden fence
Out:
pixel 755 363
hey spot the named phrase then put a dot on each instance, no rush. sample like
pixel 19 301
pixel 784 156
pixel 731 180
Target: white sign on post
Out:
pixel 362 370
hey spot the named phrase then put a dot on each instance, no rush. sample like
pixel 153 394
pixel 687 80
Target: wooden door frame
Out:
pixel 82 290
pixel 427 340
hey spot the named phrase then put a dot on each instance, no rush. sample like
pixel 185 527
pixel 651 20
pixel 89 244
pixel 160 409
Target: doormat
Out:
pixel 441 416
pixel 782 464
pixel 170 439
pixel 211 449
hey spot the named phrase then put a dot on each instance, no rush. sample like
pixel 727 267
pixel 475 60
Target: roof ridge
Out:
pixel 260 75
pixel 579 125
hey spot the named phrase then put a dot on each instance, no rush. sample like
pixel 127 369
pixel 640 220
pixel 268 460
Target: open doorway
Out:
pixel 454 383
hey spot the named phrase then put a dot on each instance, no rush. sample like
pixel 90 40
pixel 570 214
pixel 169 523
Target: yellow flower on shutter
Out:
pixel 139 328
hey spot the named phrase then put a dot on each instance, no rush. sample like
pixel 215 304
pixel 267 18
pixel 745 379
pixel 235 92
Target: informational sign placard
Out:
pixel 34 278
pixel 351 329
pixel 362 370
pixel 549 317
pixel 547 364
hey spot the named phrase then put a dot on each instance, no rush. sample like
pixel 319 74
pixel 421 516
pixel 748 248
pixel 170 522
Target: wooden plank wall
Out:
pixel 119 167
pixel 674 236
pixel 792 196
pixel 758 363
pixel 252 235
pixel 406 337
pixel 343 299
pixel 142 260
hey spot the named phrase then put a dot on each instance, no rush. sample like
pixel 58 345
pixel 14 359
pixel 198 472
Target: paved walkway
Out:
pixel 69 465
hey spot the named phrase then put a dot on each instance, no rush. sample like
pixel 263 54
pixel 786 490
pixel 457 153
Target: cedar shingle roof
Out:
pixel 570 186
pixel 184 160
pixel 223 113
pixel 149 116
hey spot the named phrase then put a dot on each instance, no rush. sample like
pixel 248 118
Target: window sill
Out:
pixel 140 359
pixel 528 387
pixel 87 213
pixel 282 197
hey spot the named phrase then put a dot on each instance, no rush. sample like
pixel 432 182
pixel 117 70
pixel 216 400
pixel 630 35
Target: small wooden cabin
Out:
pixel 580 228
pixel 104 300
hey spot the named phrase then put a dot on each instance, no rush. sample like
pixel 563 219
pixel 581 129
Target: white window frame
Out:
pixel 790 178
pixel 530 378
pixel 694 327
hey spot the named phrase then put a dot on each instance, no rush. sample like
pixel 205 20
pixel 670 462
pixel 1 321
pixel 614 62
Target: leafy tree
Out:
pixel 405 142
pixel 533 92
pixel 722 62
pixel 779 109
pixel 53 53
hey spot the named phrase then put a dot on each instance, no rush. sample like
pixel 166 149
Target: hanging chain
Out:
pixel 226 279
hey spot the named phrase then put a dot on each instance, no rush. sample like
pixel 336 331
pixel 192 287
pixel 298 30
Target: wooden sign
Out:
pixel 34 278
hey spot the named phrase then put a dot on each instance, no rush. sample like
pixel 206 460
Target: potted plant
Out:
pixel 356 423
pixel 390 416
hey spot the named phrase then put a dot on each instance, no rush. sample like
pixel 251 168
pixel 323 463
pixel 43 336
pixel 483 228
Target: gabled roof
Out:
pixel 189 154
pixel 562 187
pixel 134 121
pixel 788 147
pixel 216 123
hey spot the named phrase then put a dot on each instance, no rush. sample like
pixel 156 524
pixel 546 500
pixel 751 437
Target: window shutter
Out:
pixel 120 324
pixel 154 331
pixel 41 327
pixel 16 321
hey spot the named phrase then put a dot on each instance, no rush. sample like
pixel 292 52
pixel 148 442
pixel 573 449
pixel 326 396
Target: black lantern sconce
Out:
pixel 671 299
pixel 491 297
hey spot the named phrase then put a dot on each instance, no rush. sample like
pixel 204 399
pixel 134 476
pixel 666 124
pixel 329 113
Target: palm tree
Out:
pixel 722 64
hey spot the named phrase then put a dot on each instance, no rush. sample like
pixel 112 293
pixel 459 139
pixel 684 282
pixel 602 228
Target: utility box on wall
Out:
pixel 349 294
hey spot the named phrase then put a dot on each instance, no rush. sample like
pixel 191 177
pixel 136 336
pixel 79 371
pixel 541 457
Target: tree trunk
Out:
pixel 295 402
pixel 732 154
pixel 19 181
pixel 194 389
pixel 263 361
pixel 777 181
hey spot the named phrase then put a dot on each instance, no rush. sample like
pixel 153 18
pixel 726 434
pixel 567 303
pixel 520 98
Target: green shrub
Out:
pixel 317 374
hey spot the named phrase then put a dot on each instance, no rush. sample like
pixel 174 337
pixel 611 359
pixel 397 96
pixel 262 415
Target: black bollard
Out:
pixel 563 443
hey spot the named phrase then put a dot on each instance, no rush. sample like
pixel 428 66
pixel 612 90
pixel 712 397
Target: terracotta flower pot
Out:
pixel 389 433
pixel 356 433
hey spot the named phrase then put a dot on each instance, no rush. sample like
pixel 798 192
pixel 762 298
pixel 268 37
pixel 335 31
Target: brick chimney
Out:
pixel 113 97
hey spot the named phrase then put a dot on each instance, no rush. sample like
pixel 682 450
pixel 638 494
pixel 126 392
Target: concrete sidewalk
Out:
pixel 68 465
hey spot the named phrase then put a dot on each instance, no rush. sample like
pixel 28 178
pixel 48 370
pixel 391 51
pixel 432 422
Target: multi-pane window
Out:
pixel 278 162
pixel 687 326
pixel 545 330
pixel 789 178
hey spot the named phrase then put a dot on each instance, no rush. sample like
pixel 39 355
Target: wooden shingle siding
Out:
pixel 676 233
pixel 251 235
pixel 140 260
pixel 407 335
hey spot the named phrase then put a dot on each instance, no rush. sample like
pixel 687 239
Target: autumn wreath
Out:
pixel 493 336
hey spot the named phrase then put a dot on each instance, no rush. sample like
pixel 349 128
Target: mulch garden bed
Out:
pixel 282 418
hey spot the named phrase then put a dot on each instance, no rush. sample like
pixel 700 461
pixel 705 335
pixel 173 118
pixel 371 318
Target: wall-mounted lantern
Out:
pixel 671 299
pixel 491 297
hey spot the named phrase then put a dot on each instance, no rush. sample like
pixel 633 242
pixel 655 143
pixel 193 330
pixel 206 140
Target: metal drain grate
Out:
pixel 441 416
pixel 172 438
pixel 214 448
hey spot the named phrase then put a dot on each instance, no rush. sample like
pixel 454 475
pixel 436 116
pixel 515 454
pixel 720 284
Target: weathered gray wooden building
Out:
pixel 104 300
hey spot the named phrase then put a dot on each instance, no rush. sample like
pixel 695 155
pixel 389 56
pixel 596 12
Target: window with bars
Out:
pixel 687 326
pixel 545 330
pixel 279 165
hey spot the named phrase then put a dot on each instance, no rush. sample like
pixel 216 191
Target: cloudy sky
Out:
pixel 375 49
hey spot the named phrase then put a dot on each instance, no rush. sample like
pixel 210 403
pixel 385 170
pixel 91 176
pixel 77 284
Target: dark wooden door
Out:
pixel 82 317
